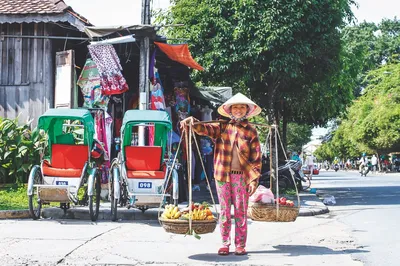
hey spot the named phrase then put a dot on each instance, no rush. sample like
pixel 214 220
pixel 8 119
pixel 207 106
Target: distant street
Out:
pixel 361 228
pixel 370 206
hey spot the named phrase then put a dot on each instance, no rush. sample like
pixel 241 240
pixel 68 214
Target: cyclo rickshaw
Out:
pixel 67 173
pixel 139 174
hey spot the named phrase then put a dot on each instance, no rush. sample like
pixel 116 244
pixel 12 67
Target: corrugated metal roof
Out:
pixel 28 11
pixel 32 7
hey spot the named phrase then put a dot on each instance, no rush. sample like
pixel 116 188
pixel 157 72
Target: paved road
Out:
pixel 370 207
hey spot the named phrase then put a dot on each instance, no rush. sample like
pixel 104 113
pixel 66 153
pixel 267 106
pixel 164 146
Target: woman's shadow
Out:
pixel 285 250
pixel 214 257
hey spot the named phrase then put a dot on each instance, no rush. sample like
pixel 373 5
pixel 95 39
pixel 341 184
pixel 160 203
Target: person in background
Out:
pixel 363 161
pixel 295 156
pixel 374 163
pixel 309 162
pixel 237 165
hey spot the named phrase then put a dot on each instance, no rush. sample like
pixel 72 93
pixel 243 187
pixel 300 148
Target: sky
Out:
pixel 128 12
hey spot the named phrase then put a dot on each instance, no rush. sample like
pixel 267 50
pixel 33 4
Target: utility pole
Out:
pixel 146 12
pixel 144 87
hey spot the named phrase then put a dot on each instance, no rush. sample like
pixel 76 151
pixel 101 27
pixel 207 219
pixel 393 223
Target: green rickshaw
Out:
pixel 68 173
pixel 138 176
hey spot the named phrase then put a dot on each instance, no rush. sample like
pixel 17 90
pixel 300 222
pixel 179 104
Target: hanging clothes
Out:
pixel 101 124
pixel 157 101
pixel 108 124
pixel 108 64
pixel 89 81
pixel 182 106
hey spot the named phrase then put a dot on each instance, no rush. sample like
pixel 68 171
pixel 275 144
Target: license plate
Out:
pixel 145 185
pixel 62 183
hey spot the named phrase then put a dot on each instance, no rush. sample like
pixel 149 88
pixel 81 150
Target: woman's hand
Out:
pixel 252 187
pixel 187 121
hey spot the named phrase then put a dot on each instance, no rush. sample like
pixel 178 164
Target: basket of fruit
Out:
pixel 282 210
pixel 176 221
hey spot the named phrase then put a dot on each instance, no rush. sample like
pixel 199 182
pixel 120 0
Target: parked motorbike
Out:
pixel 285 171
pixel 397 165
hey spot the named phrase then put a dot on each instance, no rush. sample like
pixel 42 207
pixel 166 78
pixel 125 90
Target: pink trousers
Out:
pixel 233 192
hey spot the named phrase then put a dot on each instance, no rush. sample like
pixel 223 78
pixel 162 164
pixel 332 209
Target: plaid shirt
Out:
pixel 245 139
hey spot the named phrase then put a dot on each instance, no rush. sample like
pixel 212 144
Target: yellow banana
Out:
pixel 177 215
pixel 174 211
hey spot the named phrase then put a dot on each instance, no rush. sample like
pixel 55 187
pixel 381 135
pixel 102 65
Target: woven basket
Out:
pixel 268 213
pixel 182 226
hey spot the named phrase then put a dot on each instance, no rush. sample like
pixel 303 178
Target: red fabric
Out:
pixel 315 172
pixel 66 160
pixel 146 174
pixel 143 158
pixel 69 156
pixel 179 53
pixel 117 126
pixel 48 170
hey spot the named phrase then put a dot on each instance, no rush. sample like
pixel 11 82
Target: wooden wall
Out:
pixel 26 71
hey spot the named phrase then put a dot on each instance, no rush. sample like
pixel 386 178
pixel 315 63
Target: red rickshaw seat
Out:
pixel 144 162
pixel 66 160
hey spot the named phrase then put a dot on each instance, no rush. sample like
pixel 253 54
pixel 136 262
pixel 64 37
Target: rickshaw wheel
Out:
pixel 113 201
pixel 35 205
pixel 94 200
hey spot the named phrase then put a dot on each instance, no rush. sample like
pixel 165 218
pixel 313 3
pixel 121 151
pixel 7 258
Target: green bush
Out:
pixel 20 149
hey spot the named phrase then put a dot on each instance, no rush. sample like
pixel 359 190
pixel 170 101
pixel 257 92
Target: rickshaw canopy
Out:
pixel 53 122
pixel 160 119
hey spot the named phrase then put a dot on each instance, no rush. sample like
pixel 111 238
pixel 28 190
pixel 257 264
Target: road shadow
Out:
pixel 347 196
pixel 304 250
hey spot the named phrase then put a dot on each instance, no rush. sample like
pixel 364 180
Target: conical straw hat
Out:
pixel 239 98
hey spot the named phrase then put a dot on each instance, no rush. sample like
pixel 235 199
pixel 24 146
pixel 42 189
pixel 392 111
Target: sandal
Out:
pixel 240 251
pixel 223 251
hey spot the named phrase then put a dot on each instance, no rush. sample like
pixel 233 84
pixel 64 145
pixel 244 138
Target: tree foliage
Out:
pixel 371 53
pixel 279 51
pixel 373 121
pixel 298 136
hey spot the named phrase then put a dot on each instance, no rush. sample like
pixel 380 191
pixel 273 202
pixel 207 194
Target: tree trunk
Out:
pixel 284 131
pixel 272 118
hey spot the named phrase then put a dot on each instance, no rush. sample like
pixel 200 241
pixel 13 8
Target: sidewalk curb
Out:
pixel 14 214
pixel 311 205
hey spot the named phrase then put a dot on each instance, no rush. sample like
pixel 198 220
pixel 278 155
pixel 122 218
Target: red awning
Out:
pixel 179 53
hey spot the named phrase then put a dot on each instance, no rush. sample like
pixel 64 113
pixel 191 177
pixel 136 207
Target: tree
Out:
pixel 298 136
pixel 276 49
pixel 375 116
pixel 373 121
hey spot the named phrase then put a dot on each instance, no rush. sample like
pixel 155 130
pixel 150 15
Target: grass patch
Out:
pixel 14 198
